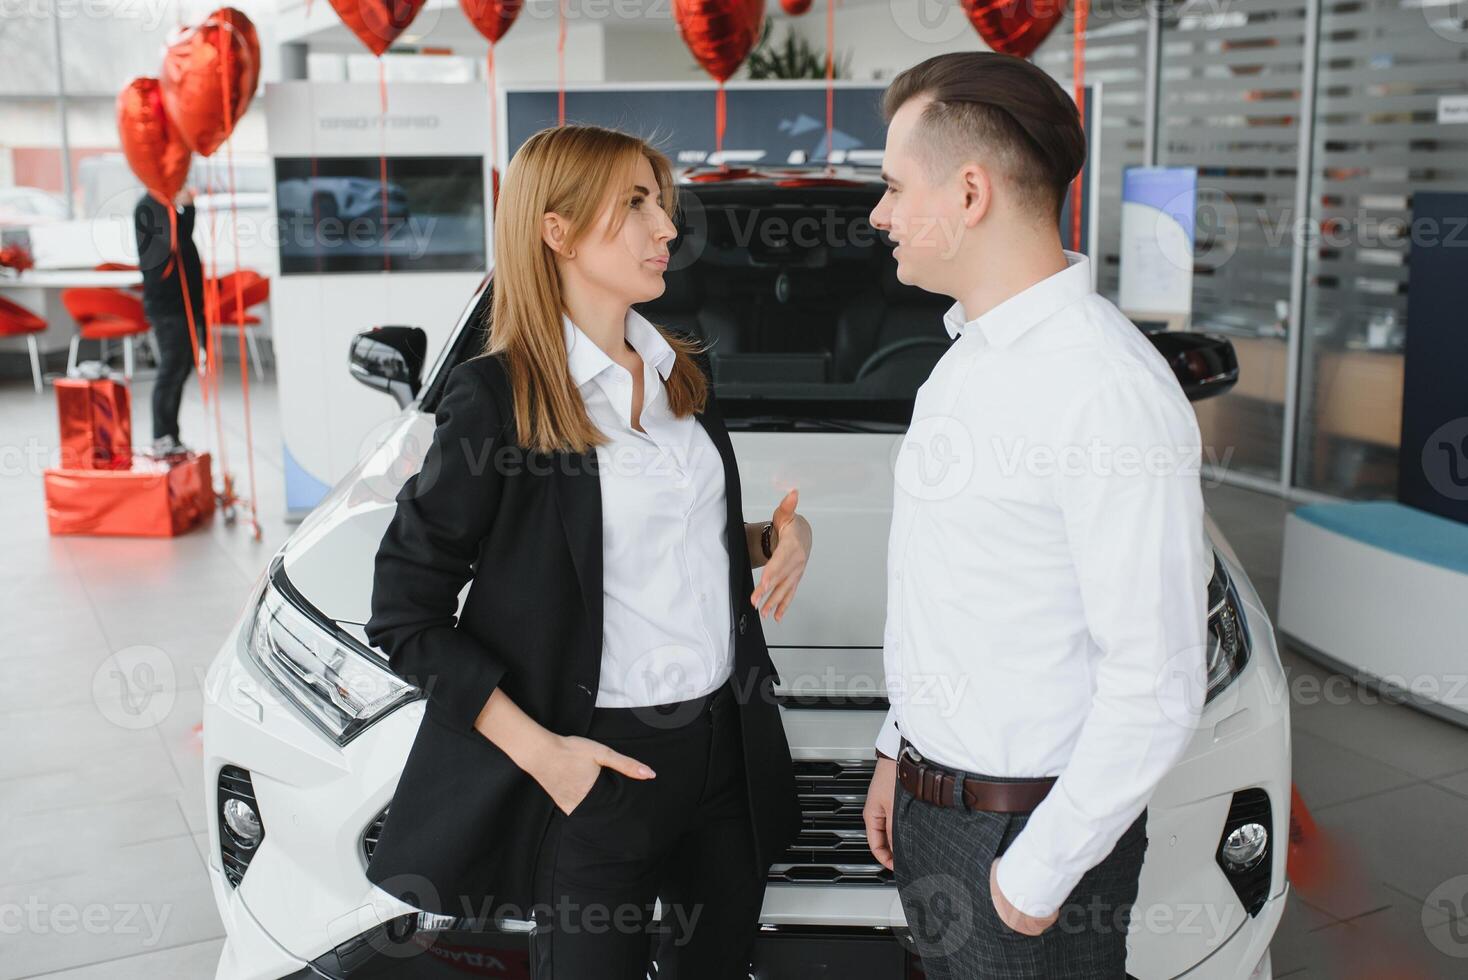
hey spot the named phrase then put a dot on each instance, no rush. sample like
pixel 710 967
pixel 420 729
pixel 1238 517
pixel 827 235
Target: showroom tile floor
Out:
pixel 101 816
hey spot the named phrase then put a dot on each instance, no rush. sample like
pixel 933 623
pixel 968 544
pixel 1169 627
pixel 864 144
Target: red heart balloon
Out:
pixel 149 142
pixel 1014 27
pixel 244 29
pixel 209 77
pixel 492 18
pixel 377 23
pixel 795 8
pixel 720 33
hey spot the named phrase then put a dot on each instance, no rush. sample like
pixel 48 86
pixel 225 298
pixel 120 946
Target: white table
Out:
pixel 39 290
pixel 69 278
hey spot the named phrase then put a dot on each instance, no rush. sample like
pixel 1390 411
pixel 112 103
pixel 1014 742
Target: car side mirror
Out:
pixel 1205 363
pixel 390 359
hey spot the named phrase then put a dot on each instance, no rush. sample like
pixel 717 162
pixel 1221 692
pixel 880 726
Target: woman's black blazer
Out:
pixel 466 823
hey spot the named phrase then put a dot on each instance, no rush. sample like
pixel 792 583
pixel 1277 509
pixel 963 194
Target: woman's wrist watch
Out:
pixel 766 540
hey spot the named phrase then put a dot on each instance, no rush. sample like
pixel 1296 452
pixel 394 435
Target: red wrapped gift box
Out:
pixel 96 423
pixel 156 498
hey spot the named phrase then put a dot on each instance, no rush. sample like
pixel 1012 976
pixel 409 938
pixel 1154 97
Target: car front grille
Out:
pixel 832 845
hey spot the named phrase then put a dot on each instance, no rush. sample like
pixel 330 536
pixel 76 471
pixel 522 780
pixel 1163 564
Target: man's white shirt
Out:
pixel 1047 571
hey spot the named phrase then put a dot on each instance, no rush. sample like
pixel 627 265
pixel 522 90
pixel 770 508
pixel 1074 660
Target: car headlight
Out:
pixel 1228 631
pixel 337 684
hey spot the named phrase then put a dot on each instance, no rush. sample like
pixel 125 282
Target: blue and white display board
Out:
pixel 352 257
pixel 768 124
pixel 1158 223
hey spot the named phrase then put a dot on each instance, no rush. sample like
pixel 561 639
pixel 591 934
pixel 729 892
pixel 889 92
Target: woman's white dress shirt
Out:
pixel 667 631
pixel 1047 571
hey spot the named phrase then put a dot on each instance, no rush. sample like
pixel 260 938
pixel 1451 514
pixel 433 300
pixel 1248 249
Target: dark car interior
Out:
pixel 799 299
pixel 797 295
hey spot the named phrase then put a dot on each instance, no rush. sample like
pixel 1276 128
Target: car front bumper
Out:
pixel 306 897
pixel 788 952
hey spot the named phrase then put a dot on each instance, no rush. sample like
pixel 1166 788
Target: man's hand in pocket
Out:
pixel 1026 925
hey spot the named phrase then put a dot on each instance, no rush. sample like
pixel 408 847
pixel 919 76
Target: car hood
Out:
pixel 329 558
pixel 845 483
pixel 830 640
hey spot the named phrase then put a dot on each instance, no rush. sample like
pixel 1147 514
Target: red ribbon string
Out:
pixel 494 132
pixel 210 378
pixel 213 357
pixel 382 160
pixel 175 260
pixel 720 117
pixel 239 309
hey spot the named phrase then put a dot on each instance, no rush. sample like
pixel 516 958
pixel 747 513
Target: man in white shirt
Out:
pixel 1047 569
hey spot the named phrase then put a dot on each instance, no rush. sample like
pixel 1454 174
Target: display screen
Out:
pixel 337 215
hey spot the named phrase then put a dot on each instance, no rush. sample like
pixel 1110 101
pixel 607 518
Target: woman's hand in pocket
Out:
pixel 568 772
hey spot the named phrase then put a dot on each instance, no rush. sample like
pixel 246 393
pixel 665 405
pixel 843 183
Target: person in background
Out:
pixel 163 303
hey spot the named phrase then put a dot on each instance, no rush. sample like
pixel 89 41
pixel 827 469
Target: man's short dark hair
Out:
pixel 1001 110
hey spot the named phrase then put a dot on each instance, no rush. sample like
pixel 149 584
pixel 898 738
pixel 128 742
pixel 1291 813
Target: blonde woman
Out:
pixel 600 731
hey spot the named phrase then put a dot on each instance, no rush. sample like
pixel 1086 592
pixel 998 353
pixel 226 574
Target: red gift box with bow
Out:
pixel 96 423
pixel 155 498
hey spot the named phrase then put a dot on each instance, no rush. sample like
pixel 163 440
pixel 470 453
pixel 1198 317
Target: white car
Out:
pixel 22 207
pixel 817 353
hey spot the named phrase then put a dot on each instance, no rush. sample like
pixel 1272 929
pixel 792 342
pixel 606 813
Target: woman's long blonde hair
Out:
pixel 574 171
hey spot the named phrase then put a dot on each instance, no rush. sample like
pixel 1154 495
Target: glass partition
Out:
pixel 1229 96
pixel 1384 67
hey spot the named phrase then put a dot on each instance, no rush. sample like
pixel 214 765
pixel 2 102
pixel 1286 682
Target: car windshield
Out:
pixel 797 297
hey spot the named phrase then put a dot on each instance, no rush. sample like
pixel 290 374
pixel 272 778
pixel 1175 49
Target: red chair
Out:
pixel 17 321
pixel 104 314
pixel 253 290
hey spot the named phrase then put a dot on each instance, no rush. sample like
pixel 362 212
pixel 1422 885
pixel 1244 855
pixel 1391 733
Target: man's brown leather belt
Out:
pixel 935 784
